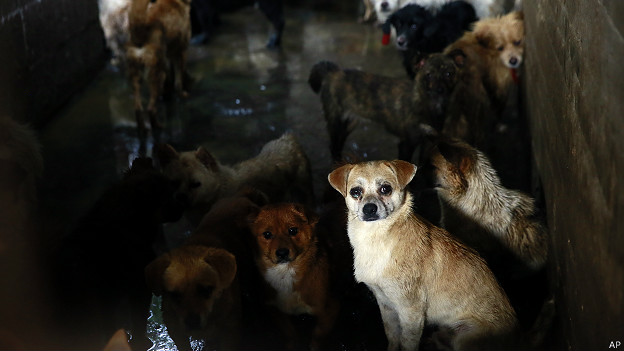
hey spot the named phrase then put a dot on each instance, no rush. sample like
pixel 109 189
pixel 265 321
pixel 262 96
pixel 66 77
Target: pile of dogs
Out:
pixel 264 252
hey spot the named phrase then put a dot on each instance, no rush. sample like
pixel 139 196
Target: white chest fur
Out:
pixel 282 278
pixel 371 252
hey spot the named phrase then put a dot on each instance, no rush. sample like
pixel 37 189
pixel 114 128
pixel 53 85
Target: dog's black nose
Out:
pixel 401 40
pixel 513 61
pixel 192 321
pixel 384 5
pixel 282 254
pixel 370 209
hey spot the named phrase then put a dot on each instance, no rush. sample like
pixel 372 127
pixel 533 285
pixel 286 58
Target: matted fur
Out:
pixel 418 272
pixel 477 208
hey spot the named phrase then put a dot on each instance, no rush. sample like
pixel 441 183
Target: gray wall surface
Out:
pixel 575 101
pixel 48 50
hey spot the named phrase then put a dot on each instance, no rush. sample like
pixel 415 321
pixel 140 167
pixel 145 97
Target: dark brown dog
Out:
pixel 405 108
pixel 160 31
pixel 202 281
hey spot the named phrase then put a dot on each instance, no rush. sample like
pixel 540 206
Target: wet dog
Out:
pixel 160 32
pixel 202 281
pixel 404 107
pixel 477 209
pixel 418 272
pixel 98 275
pixel 281 171
pixel 495 48
pixel 295 264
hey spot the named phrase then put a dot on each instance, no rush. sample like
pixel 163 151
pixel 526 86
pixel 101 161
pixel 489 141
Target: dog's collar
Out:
pixel 385 40
pixel 514 75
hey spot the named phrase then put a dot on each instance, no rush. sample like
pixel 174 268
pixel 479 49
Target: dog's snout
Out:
pixel 401 40
pixel 384 5
pixel 370 210
pixel 282 254
pixel 193 322
pixel 513 62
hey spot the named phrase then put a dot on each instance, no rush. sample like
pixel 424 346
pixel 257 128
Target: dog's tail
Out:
pixel 318 73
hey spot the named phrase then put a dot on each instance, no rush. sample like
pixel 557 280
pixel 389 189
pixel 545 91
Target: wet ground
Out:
pixel 243 96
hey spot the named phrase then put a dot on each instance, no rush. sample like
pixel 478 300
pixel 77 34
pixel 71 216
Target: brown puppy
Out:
pixel 281 171
pixel 295 264
pixel 404 107
pixel 418 272
pixel 160 31
pixel 494 49
pixel 201 281
pixel 480 211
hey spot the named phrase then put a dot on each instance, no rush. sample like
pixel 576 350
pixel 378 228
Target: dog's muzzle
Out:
pixel 282 255
pixel 369 212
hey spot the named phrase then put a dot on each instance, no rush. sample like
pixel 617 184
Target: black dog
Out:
pixel 419 32
pixel 97 271
pixel 205 17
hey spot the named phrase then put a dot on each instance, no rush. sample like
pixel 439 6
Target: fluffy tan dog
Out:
pixel 418 272
pixel 160 31
pixel 281 171
pixel 495 48
pixel 480 211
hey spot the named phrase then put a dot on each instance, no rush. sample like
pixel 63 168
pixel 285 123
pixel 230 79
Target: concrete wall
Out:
pixel 48 50
pixel 575 101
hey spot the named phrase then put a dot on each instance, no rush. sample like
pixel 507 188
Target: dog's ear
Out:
pixel 458 56
pixel 482 33
pixel 460 157
pixel 404 170
pixel 224 263
pixel 338 178
pixel 206 158
pixel 154 274
pixel 306 213
pixel 165 153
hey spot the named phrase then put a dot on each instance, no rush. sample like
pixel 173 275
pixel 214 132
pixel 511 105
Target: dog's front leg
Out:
pixel 390 319
pixel 412 321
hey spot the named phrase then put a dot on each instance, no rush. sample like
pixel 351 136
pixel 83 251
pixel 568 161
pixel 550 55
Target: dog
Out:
pixel 160 32
pixel 202 282
pixel 205 15
pixel 495 49
pixel 477 209
pixel 418 272
pixel 404 107
pixel 98 275
pixel 114 21
pixel 295 265
pixel 419 32
pixel 281 171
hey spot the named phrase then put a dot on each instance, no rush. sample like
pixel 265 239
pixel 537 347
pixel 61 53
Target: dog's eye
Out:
pixel 356 192
pixel 414 27
pixel 267 235
pixel 194 185
pixel 205 291
pixel 500 48
pixel 517 42
pixel 385 189
pixel 293 231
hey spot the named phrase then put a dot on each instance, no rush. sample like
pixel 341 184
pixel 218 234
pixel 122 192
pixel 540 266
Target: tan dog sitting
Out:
pixel 418 272
pixel 295 265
